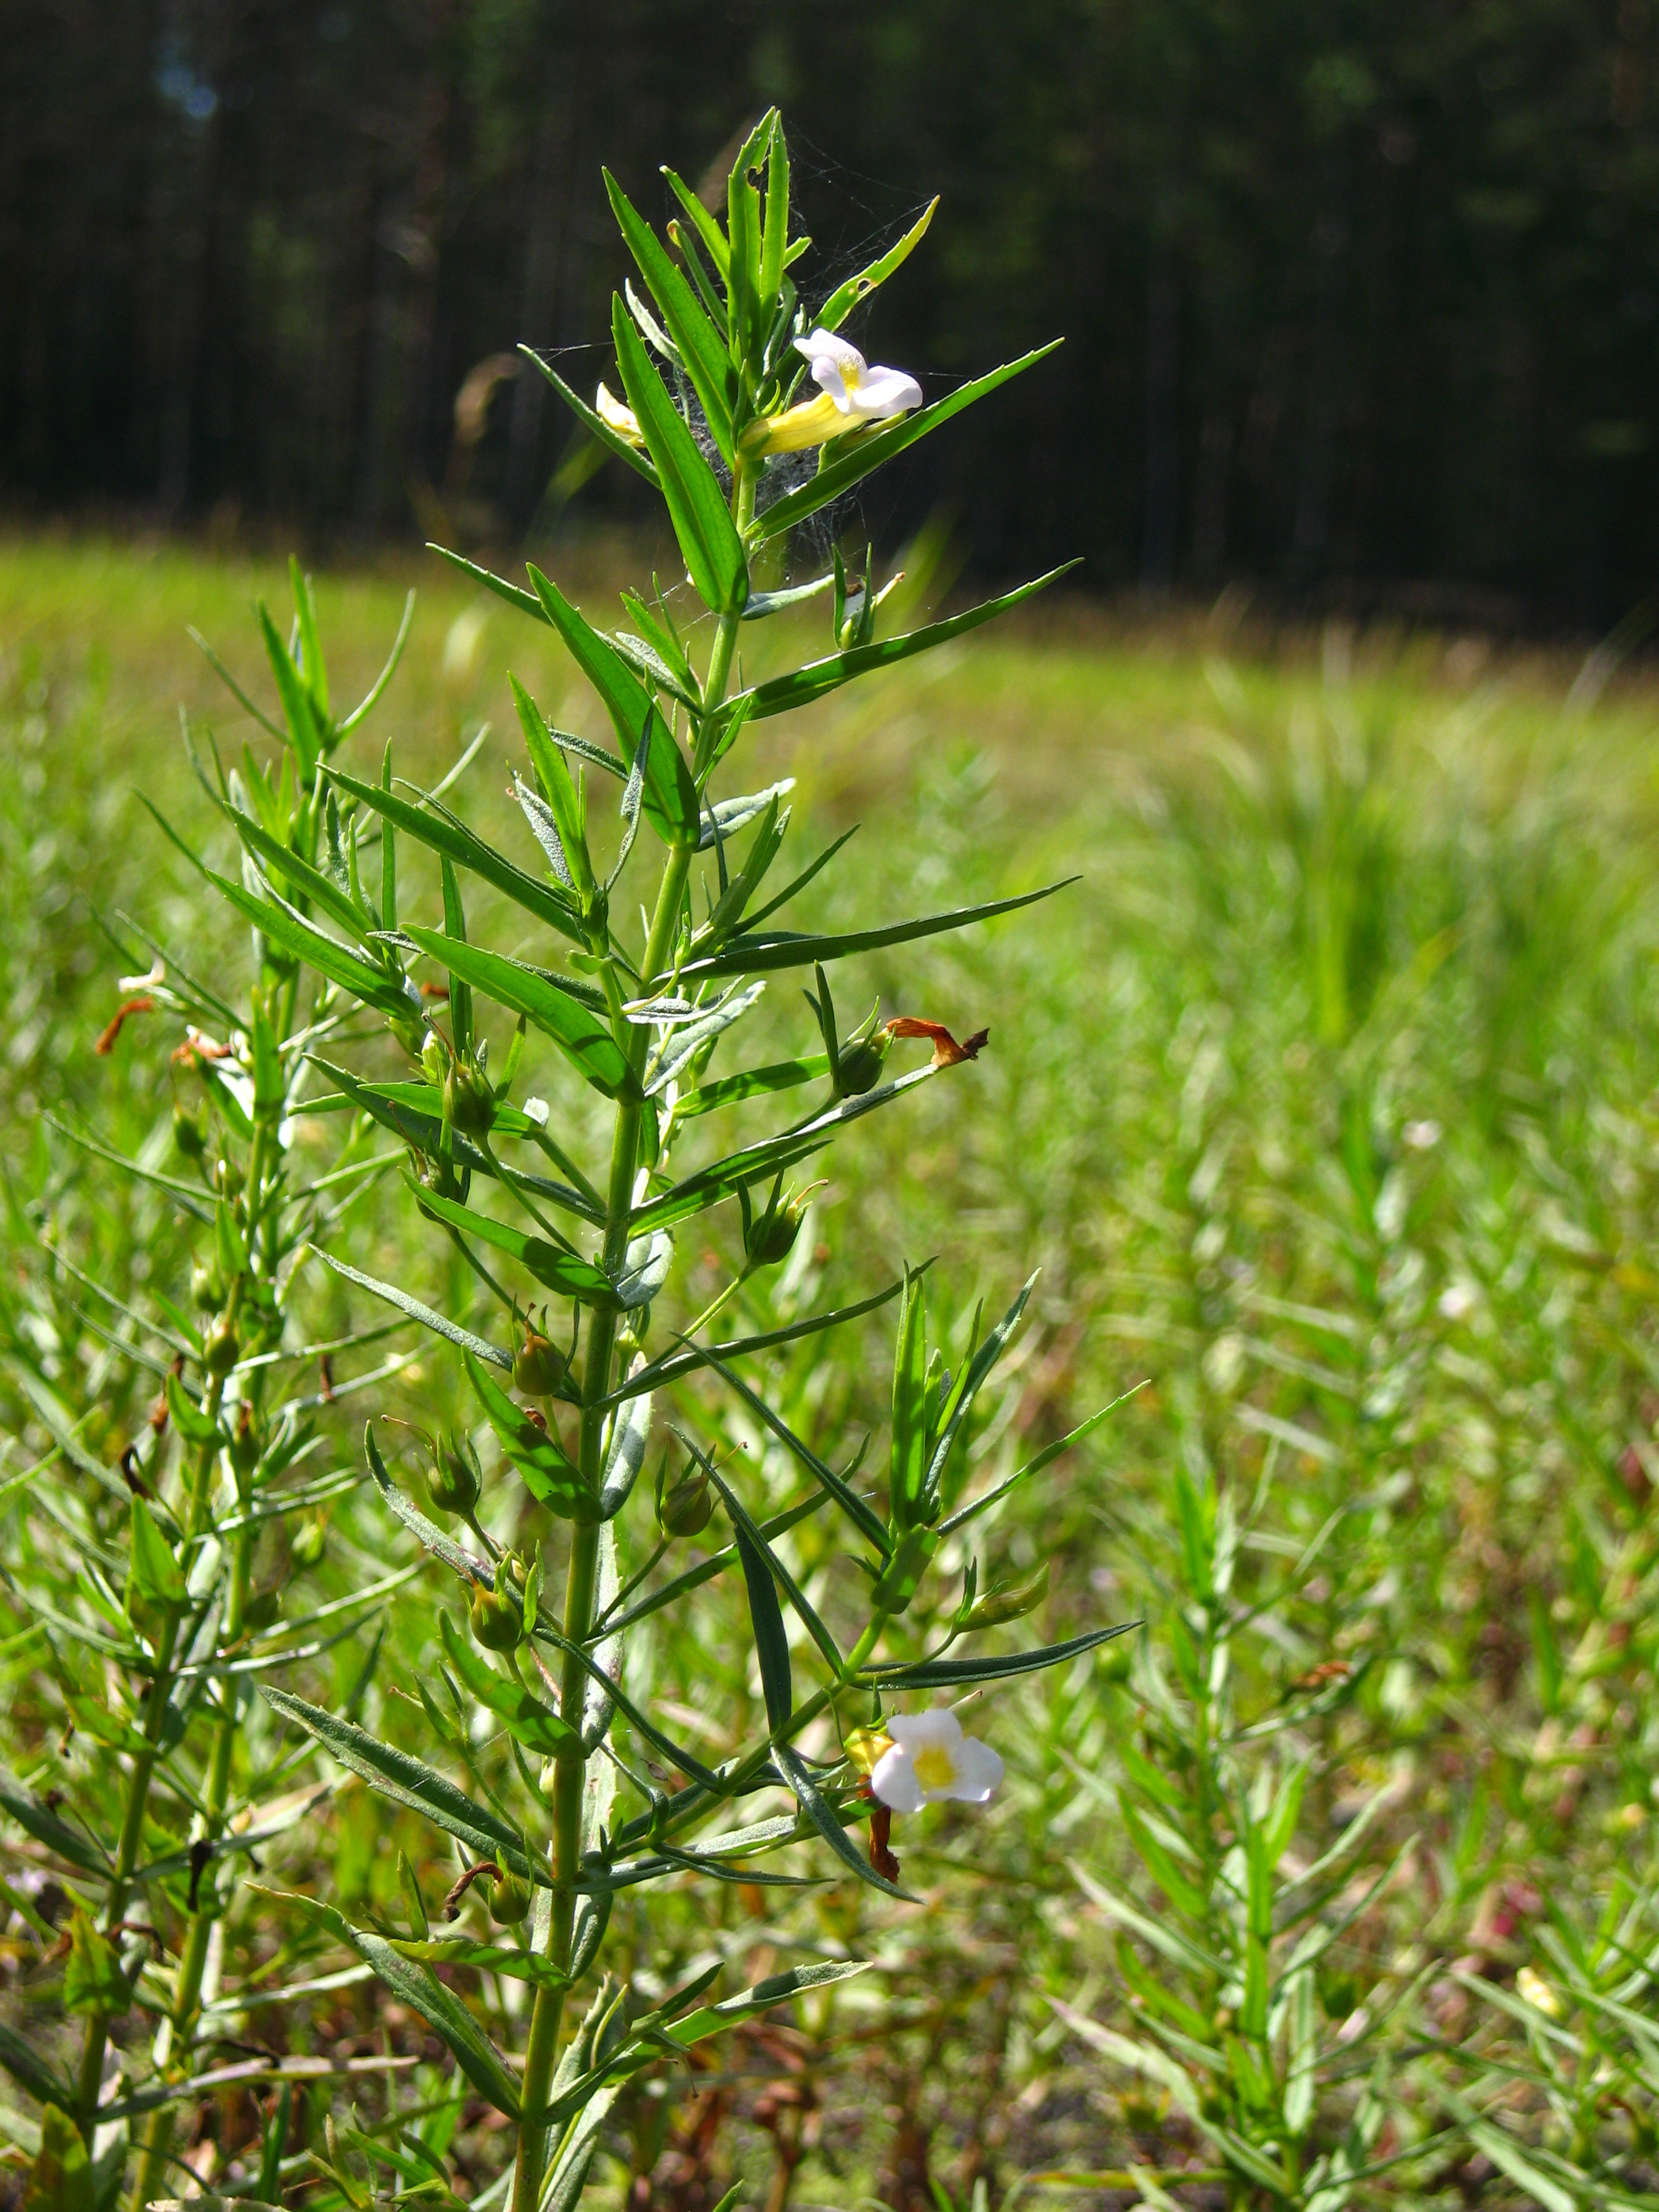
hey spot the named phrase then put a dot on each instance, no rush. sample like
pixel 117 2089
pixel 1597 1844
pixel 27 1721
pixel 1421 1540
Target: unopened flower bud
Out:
pixel 1009 1601
pixel 859 1067
pixel 538 1367
pixel 221 1347
pixel 497 1618
pixel 468 1101
pixel 455 1480
pixel 227 1175
pixel 509 1898
pixel 687 1506
pixel 207 1288
pixel 309 1541
pixel 245 1443
pixel 190 1128
pixel 434 1058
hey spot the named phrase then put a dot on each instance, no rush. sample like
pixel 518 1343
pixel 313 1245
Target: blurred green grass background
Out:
pixel 1323 1099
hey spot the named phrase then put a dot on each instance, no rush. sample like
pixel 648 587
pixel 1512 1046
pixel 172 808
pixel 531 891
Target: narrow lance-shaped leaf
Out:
pixel 299 879
pixel 978 1370
pixel 753 1550
pixel 313 670
pixel 863 1518
pixel 442 834
pixel 671 1364
pixel 580 1034
pixel 785 693
pixel 714 552
pixel 549 1473
pixel 702 348
pixel 414 1112
pixel 775 236
pixel 418 1987
pixel 592 421
pixel 706 228
pixel 410 1782
pixel 827 1820
pixel 428 1533
pixel 304 734
pixel 752 953
pixel 743 233
pixel 771 1638
pixel 525 1716
pixel 909 1458
pixel 710 1185
pixel 566 1272
pixel 845 297
pixel 839 474
pixel 955 1674
pixel 300 941
pixel 1033 1466
pixel 671 806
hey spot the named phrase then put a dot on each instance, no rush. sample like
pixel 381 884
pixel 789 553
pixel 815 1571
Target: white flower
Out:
pixel 861 393
pixel 930 1759
pixel 850 395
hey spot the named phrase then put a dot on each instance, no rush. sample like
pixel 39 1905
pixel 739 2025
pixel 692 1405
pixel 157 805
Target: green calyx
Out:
pixel 456 1479
pixel 495 1619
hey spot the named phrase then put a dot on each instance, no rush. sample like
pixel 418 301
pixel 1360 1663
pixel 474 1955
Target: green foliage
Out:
pixel 638 1022
pixel 1326 1105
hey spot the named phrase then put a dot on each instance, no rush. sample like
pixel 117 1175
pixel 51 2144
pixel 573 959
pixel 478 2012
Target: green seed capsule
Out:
pixel 207 1288
pixel 245 1444
pixel 468 1102
pixel 687 1508
pixel 537 1368
pixel 496 1621
pixel 1010 1600
pixel 771 1239
pixel 190 1130
pixel 221 1347
pixel 455 1480
pixel 859 1068
pixel 509 1898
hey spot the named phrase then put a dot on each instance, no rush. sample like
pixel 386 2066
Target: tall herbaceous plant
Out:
pixel 651 891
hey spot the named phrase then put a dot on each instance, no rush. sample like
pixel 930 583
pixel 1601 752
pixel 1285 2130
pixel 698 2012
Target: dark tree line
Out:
pixel 1357 293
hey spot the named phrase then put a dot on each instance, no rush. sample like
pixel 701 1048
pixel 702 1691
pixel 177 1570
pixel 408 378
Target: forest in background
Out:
pixel 1361 301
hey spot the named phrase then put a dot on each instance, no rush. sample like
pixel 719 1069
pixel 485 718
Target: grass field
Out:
pixel 1324 1100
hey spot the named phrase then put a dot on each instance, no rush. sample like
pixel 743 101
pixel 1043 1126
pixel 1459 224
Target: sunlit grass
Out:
pixel 1323 1097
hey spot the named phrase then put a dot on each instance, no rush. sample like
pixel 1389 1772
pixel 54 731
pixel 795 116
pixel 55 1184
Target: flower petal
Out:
pixel 618 417
pixel 814 422
pixel 979 1772
pixel 837 368
pixel 882 392
pixel 938 1728
pixel 894 1782
pixel 821 346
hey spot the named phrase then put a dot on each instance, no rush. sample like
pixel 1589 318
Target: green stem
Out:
pixel 570 1771
pixel 180 2028
pixel 143 1767
pixel 177 2034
